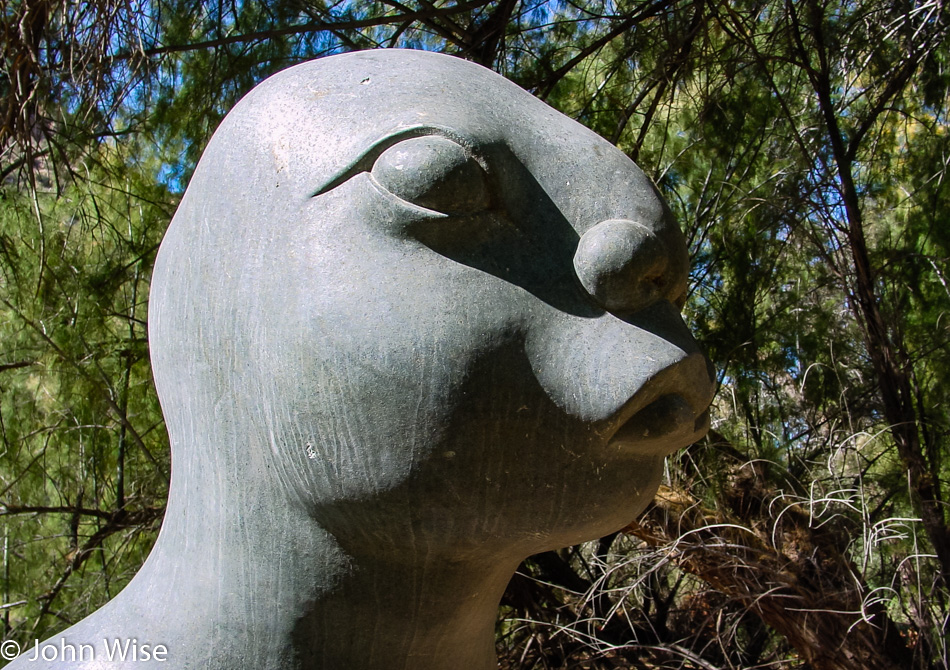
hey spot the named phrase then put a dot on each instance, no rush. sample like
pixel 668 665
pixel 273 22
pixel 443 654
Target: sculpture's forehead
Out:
pixel 344 101
pixel 308 123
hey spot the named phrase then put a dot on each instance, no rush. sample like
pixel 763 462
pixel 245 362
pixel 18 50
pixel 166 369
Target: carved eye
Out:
pixel 427 166
pixel 433 172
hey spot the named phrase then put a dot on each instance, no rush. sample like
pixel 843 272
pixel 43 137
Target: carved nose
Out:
pixel 623 265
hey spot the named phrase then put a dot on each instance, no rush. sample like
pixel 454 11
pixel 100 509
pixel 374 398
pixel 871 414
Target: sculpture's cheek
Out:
pixel 378 355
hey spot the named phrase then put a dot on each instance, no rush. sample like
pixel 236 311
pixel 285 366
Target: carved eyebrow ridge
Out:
pixel 365 162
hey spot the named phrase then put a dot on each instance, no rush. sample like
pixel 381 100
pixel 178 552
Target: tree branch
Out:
pixel 313 26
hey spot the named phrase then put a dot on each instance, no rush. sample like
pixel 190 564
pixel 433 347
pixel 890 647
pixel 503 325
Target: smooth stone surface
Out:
pixel 384 382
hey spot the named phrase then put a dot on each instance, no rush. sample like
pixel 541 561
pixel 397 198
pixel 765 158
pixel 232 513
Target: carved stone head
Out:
pixel 405 294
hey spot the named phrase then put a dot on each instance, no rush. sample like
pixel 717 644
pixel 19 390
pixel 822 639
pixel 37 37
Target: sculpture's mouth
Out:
pixel 669 412
pixel 668 423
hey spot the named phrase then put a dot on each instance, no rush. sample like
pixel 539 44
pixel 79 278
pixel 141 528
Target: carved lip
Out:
pixel 661 427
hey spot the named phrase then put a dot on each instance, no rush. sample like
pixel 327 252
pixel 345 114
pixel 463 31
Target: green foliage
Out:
pixel 84 465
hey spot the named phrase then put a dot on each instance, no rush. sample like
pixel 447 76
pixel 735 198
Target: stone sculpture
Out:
pixel 409 326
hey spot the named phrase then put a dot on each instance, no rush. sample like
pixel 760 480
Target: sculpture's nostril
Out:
pixel 622 264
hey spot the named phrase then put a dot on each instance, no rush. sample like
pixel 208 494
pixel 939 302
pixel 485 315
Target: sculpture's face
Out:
pixel 442 315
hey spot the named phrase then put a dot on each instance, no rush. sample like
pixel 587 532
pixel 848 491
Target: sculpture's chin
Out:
pixel 665 425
